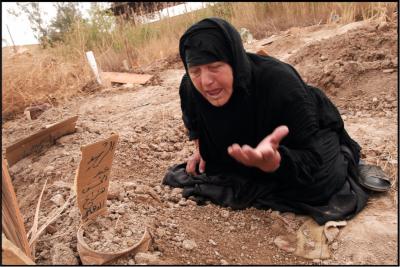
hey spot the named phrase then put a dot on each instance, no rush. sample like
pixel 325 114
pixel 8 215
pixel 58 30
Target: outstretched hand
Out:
pixel 265 156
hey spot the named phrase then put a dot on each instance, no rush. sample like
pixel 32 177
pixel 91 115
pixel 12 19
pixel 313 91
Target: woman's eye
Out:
pixel 215 67
pixel 194 73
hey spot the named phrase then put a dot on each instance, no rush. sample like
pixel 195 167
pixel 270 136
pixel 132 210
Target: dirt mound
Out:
pixel 332 64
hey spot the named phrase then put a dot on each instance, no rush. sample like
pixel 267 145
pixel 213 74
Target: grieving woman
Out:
pixel 264 137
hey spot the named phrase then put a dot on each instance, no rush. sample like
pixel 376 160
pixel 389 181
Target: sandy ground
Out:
pixel 355 64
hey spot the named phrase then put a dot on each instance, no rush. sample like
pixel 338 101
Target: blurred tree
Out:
pixel 67 14
pixel 35 17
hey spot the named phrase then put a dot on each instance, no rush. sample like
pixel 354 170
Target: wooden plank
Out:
pixel 35 142
pixel 92 179
pixel 123 77
pixel 11 221
pixel 12 255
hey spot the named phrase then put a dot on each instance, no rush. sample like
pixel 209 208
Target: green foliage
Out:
pixel 67 15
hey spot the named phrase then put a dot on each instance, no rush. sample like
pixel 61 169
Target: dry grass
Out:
pixel 35 77
pixel 54 74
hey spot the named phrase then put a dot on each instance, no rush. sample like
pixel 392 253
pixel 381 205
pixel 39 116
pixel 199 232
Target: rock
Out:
pixel 142 189
pixel 212 242
pixel 323 58
pixel 176 191
pixel 165 156
pixel 146 258
pixel 58 200
pixel 224 262
pixel 191 202
pixel 182 202
pixel 225 213
pixel 63 255
pixel 48 169
pixel 51 229
pixel 160 232
pixel 284 243
pixel 189 244
pixel 388 71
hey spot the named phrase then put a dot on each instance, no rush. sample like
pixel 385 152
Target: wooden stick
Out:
pixel 52 219
pixel 36 218
pixel 13 255
pixel 11 221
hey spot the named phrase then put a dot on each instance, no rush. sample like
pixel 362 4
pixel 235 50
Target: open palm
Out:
pixel 265 156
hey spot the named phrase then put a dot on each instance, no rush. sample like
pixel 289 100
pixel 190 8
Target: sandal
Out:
pixel 373 178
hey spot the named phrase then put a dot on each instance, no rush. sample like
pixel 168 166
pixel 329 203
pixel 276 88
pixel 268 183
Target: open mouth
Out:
pixel 214 93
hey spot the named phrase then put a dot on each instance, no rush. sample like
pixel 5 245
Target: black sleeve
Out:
pixel 305 149
pixel 188 107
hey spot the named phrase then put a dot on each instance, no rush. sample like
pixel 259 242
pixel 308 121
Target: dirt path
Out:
pixel 355 65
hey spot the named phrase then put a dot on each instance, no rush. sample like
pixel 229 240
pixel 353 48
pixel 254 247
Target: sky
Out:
pixel 22 33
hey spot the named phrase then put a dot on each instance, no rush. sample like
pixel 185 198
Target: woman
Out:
pixel 264 138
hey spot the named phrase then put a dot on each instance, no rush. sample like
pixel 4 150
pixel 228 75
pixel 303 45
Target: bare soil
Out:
pixel 355 64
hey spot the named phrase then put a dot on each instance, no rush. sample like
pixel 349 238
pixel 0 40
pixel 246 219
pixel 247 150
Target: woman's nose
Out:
pixel 206 78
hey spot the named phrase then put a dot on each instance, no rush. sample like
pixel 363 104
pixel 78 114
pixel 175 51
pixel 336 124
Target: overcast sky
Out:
pixel 22 33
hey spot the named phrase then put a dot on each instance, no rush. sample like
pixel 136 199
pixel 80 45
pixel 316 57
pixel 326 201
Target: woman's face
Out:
pixel 214 81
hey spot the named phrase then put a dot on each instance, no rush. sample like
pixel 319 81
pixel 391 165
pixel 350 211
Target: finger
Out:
pixel 254 156
pixel 202 165
pixel 275 137
pixel 191 167
pixel 236 152
pixel 278 134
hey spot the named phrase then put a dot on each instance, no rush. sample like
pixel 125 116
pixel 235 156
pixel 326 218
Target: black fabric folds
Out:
pixel 315 175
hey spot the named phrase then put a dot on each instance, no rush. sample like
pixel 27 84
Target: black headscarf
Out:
pixel 206 46
pixel 215 38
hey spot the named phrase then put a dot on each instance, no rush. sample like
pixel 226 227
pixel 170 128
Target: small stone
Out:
pixel 176 191
pixel 191 202
pixel 160 232
pixel 224 262
pixel 58 200
pixel 48 169
pixel 189 244
pixel 335 245
pixel 165 156
pixel 374 99
pixel 284 244
pixel 51 229
pixel 212 242
pixel 388 71
pixel 323 58
pixel 182 202
pixel 225 213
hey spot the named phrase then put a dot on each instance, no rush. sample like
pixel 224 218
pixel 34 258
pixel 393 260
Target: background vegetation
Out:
pixel 57 70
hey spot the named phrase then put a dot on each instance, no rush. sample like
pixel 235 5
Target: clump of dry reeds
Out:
pixel 36 77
